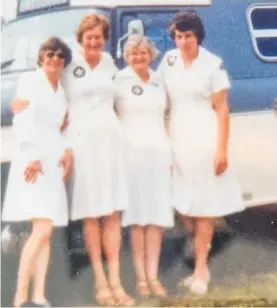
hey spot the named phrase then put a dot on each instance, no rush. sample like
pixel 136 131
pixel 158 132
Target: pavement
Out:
pixel 243 267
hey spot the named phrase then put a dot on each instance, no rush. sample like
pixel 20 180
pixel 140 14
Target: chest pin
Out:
pixel 137 90
pixel 170 60
pixel 79 72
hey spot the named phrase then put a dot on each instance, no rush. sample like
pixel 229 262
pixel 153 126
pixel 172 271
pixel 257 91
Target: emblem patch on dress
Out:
pixel 79 72
pixel 137 90
pixel 170 60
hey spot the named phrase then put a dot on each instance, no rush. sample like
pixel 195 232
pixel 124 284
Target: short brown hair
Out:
pixel 187 20
pixel 90 22
pixel 54 44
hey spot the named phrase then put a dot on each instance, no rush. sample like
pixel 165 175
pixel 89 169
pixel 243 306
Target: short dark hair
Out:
pixel 54 44
pixel 187 20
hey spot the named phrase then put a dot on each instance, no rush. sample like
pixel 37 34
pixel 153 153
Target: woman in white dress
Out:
pixel 141 104
pixel 204 185
pixel 97 188
pixel 40 165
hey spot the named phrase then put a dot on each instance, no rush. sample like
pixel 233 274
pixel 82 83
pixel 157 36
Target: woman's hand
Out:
pixel 32 171
pixel 221 161
pixel 66 162
pixel 18 105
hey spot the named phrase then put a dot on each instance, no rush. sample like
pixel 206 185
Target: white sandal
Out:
pixel 199 286
pixel 187 282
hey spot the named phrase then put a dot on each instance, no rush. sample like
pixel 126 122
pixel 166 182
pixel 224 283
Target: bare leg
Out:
pixel 92 236
pixel 189 224
pixel 203 238
pixel 138 253
pixel 41 233
pixel 112 244
pixel 153 249
pixel 40 274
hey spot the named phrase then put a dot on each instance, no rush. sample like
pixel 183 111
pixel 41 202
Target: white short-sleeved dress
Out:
pixel 38 137
pixel 193 129
pixel 98 185
pixel 141 108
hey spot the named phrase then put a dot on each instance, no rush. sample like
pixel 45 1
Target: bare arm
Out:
pixel 220 105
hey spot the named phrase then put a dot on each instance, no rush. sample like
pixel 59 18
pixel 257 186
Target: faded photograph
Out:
pixel 139 153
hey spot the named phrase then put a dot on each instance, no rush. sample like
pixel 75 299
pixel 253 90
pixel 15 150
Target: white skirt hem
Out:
pixel 109 212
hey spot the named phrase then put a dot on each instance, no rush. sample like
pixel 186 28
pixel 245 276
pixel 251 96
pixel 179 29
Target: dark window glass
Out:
pixel 264 18
pixel 267 46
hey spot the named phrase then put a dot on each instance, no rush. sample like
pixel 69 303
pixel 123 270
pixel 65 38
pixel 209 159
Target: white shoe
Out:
pixel 9 240
pixel 187 282
pixel 199 286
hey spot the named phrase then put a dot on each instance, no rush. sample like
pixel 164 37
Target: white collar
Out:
pixel 129 72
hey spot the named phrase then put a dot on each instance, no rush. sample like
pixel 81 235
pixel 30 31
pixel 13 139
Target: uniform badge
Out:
pixel 222 66
pixel 79 72
pixel 170 60
pixel 137 90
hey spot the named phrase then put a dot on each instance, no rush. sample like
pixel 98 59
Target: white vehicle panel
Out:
pixel 253 146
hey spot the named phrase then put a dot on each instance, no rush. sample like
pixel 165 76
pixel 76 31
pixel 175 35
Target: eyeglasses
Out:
pixel 52 54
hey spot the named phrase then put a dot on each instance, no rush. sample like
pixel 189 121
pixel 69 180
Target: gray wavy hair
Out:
pixel 135 41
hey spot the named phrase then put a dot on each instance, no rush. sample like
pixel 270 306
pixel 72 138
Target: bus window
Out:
pixel 262 22
pixel 155 24
pixel 35 30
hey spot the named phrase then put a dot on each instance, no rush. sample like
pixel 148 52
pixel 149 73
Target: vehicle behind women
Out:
pixel 243 33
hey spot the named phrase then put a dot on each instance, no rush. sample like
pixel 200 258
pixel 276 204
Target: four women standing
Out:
pixel 124 163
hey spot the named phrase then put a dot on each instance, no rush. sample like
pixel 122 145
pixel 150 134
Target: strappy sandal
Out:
pixel 104 297
pixel 143 288
pixel 122 299
pixel 157 288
